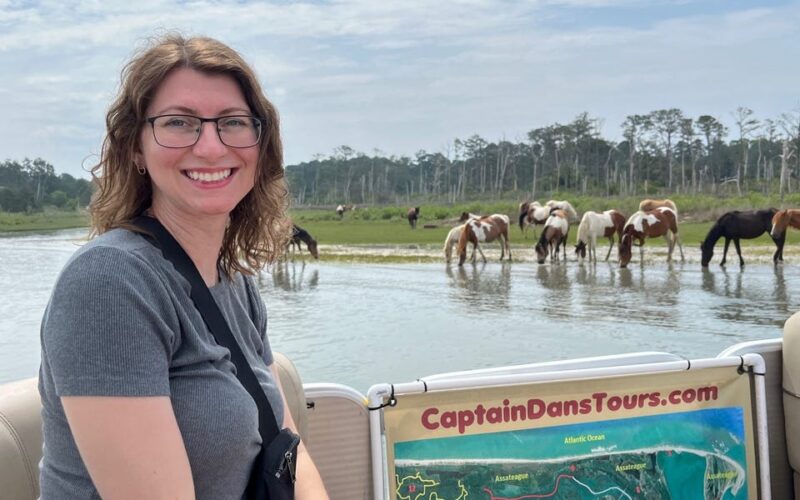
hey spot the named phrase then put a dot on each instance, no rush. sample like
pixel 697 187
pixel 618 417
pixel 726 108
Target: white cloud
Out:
pixel 399 76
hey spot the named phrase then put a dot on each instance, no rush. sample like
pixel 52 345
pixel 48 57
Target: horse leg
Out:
pixel 479 250
pixel 680 246
pixel 725 251
pixel 610 247
pixel 738 251
pixel 778 256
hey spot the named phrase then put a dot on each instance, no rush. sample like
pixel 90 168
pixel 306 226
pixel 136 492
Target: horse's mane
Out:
pixel 462 241
pixel 714 234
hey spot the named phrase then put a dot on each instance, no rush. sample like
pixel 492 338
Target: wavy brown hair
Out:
pixel 259 228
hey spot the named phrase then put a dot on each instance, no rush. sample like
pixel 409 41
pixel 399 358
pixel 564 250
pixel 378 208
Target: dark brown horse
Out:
pixel 301 235
pixel 659 222
pixel 738 225
pixel 413 215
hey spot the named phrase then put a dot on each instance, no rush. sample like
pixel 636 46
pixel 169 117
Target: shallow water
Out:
pixel 360 324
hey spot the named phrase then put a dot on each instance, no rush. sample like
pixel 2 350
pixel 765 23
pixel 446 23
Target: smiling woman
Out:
pixel 140 400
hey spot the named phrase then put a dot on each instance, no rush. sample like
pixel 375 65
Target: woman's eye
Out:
pixel 234 122
pixel 176 122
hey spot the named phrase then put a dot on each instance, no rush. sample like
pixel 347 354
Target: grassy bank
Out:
pixel 397 232
pixel 43 221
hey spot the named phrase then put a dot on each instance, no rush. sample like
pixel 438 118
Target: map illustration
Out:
pixel 691 455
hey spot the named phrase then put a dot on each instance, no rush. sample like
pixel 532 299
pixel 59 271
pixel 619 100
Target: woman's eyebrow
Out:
pixel 192 111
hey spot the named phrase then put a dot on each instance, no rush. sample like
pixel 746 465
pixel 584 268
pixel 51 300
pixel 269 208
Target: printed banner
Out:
pixel 685 435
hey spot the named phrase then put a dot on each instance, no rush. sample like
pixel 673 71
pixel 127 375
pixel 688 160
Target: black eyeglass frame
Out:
pixel 261 124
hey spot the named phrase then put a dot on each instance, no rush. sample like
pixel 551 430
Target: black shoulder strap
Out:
pixel 204 302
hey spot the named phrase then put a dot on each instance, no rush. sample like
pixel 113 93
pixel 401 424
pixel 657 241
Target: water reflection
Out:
pixel 478 285
pixel 291 276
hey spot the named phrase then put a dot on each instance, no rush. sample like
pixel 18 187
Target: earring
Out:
pixel 140 169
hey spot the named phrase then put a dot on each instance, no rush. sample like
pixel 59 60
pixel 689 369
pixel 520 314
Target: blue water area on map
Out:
pixel 719 430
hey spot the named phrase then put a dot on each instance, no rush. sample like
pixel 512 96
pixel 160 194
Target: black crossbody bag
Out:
pixel 274 470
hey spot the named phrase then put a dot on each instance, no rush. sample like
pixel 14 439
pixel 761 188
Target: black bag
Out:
pixel 274 470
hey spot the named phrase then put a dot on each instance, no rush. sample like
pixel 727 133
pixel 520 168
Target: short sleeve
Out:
pixel 109 327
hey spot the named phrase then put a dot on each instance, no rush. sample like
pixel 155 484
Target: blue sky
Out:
pixel 404 76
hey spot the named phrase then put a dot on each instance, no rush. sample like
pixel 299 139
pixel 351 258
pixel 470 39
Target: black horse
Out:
pixel 413 215
pixel 738 225
pixel 301 235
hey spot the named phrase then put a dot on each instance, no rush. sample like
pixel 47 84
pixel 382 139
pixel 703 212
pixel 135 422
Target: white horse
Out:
pixel 594 225
pixel 566 206
pixel 452 240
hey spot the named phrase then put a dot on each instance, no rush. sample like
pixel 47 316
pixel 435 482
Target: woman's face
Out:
pixel 209 178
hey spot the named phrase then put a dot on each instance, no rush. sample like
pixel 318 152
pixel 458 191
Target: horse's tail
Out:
pixel 571 213
pixel 461 251
pixel 522 216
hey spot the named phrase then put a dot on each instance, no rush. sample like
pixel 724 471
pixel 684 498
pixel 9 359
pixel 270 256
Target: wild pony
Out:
pixel 659 222
pixel 301 235
pixel 484 229
pixel 648 205
pixel 534 214
pixel 569 210
pixel 594 225
pixel 554 235
pixel 452 240
pixel 341 209
pixel 413 215
pixel 738 225
pixel 783 219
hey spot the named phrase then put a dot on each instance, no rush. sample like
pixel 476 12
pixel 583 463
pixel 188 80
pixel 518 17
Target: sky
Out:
pixel 396 77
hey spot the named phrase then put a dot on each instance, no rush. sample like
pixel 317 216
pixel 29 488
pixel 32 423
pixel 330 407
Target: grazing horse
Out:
pixel 554 235
pixel 659 222
pixel 452 240
pixel 413 215
pixel 566 206
pixel 648 205
pixel 341 209
pixel 484 229
pixel 594 225
pixel 738 225
pixel 783 219
pixel 301 235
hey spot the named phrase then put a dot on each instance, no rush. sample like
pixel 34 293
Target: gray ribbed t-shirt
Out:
pixel 120 322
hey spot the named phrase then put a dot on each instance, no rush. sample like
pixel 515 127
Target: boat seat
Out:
pixel 791 393
pixel 21 429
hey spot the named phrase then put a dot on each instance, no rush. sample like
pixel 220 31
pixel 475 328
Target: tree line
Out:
pixel 661 152
pixel 30 185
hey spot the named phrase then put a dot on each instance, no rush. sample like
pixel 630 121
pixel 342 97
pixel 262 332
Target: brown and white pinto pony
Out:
pixel 484 230
pixel 659 222
pixel 783 219
pixel 554 236
pixel 594 225
pixel 648 205
pixel 413 215
pixel 534 214
pixel 341 209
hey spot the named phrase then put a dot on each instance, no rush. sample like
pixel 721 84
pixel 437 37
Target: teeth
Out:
pixel 208 176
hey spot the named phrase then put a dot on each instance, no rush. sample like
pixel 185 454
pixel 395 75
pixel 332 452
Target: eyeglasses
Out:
pixel 183 131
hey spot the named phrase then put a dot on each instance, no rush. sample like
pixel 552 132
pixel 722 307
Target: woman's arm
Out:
pixel 131 446
pixel 309 483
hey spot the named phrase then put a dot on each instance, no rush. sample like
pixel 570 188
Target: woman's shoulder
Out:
pixel 118 252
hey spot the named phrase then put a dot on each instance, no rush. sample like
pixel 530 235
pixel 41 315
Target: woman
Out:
pixel 139 400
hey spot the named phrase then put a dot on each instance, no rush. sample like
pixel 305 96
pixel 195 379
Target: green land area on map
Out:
pixel 695 455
